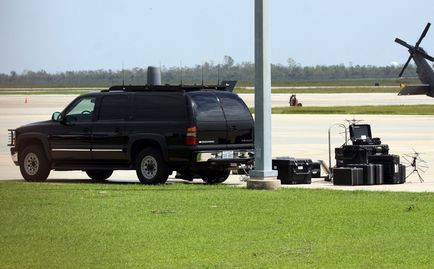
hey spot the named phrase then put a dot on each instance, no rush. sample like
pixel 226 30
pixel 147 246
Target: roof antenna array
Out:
pixel 123 74
pixel 180 68
pixel 218 74
pixel 202 73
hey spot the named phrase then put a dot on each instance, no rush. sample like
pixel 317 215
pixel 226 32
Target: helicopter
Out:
pixel 423 68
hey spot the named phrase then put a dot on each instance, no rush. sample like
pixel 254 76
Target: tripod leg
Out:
pixel 420 177
pixel 410 174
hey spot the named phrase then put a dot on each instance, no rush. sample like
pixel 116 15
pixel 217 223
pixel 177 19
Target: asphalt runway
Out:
pixel 302 136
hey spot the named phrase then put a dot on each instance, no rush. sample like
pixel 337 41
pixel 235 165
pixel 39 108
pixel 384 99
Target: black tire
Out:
pixel 151 167
pixel 215 176
pixel 34 165
pixel 99 175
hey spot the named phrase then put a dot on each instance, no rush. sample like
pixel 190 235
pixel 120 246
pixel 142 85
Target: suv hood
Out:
pixel 40 126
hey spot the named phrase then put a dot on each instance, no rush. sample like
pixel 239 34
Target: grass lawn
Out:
pixel 356 110
pixel 198 226
pixel 327 90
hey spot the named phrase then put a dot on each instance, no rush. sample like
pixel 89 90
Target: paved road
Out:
pixel 293 135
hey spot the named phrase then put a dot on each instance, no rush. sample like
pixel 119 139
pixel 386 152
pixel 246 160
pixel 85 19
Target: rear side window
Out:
pixel 114 107
pixel 207 107
pixel 159 107
pixel 233 106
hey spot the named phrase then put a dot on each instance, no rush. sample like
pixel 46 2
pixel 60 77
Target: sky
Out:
pixel 62 35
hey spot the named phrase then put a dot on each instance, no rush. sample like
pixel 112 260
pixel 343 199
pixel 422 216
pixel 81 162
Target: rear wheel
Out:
pixel 151 168
pixel 215 176
pixel 99 175
pixel 34 165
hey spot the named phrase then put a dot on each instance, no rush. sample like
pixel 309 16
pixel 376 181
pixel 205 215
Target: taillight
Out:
pixel 190 139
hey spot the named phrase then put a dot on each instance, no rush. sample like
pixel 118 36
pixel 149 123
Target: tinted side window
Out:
pixel 207 107
pixel 159 107
pixel 114 107
pixel 82 110
pixel 233 106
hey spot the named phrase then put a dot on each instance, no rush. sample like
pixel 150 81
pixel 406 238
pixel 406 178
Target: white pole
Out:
pixel 263 169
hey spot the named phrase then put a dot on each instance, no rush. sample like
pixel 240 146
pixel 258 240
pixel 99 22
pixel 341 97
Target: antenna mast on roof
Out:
pixel 180 67
pixel 202 73
pixel 123 74
pixel 218 74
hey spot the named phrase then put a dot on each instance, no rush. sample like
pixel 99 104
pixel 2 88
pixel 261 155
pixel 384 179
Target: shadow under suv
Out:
pixel 198 131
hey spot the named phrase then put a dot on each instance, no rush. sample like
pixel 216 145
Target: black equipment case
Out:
pixel 292 170
pixel 315 169
pixel 349 176
pixel 358 154
pixel 379 174
pixel 368 173
pixel 391 168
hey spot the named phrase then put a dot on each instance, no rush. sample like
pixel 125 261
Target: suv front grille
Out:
pixel 11 137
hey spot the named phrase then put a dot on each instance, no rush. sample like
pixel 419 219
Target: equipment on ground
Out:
pixel 417 163
pixel 293 101
pixel 366 153
pixel 292 170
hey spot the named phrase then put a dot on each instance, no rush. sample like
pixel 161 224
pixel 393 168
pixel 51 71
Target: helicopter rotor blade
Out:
pixel 405 66
pixel 403 43
pixel 423 34
pixel 426 56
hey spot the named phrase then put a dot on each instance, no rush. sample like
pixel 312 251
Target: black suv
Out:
pixel 197 131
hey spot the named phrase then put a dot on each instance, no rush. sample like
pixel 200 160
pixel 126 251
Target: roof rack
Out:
pixel 225 86
pixel 159 88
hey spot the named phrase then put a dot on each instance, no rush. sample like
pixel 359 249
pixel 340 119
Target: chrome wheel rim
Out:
pixel 31 164
pixel 149 167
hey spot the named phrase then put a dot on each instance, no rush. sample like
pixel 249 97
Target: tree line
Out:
pixel 208 73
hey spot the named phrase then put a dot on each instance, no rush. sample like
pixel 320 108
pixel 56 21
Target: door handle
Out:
pixel 86 130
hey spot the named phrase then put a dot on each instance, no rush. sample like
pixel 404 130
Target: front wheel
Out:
pixel 99 175
pixel 151 168
pixel 215 176
pixel 34 165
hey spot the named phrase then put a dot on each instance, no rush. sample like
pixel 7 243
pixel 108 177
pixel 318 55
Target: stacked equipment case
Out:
pixel 369 155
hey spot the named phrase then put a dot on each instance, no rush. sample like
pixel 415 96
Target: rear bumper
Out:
pixel 224 156
pixel 14 155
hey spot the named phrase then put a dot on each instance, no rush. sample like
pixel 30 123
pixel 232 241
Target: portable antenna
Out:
pixel 416 163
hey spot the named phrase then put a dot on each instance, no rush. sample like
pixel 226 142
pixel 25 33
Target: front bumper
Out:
pixel 225 156
pixel 14 155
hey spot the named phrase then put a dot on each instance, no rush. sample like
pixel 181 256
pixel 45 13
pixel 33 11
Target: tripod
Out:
pixel 417 163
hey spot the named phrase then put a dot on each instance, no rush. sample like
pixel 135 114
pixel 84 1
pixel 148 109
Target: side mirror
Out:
pixel 57 116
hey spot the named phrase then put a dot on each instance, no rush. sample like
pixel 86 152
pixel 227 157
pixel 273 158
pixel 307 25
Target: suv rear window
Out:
pixel 233 106
pixel 159 107
pixel 207 107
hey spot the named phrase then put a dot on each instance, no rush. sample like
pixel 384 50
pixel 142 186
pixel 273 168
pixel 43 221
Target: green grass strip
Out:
pixel 368 110
pixel 327 90
pixel 199 226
